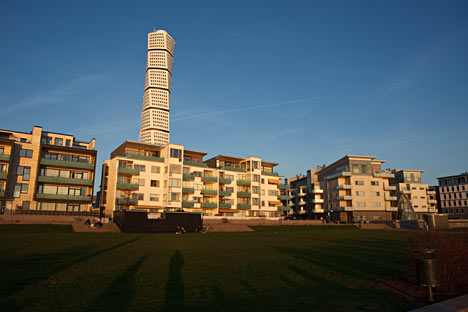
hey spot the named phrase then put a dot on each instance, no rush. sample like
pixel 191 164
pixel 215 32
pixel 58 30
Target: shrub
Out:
pixel 451 252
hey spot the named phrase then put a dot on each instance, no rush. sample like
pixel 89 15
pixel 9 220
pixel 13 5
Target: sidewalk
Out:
pixel 459 304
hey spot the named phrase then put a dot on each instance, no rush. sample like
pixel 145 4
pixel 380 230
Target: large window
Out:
pixel 176 153
pixel 175 168
pixel 20 188
pixel 174 182
pixel 70 174
pixel 67 157
pixel 25 153
pixel 24 172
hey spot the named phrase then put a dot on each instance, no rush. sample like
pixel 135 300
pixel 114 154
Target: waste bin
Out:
pixel 426 270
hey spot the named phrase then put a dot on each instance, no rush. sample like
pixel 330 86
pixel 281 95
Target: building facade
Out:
pixel 453 193
pixel 170 178
pixel 154 127
pixel 407 184
pixel 45 172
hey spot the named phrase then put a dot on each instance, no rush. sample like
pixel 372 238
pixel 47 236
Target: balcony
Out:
pixel 188 177
pixel 391 198
pixel 125 201
pixel 318 210
pixel 232 168
pixel 344 187
pixel 69 181
pixel 188 190
pixel 432 201
pixel 338 174
pixel 243 194
pixel 209 192
pixel 345 197
pixel 389 188
pixel 209 179
pixel 302 203
pixel 224 181
pixel 317 201
pixel 301 194
pixel 225 206
pixel 284 208
pixel 243 182
pixel 4 157
pixel 390 208
pixel 284 197
pixel 209 205
pixel 195 163
pixel 383 175
pixel 284 186
pixel 127 186
pixel 225 193
pixel 270 173
pixel 346 208
pixel 66 164
pixel 128 171
pixel 64 197
pixel 243 206
pixel 144 157
pixel 3 175
pixel 2 194
pixel 317 191
pixel 187 204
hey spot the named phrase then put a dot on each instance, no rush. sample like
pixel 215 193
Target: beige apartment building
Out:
pixel 45 172
pixel 154 126
pixel 408 188
pixel 141 176
pixel 307 195
pixel 453 193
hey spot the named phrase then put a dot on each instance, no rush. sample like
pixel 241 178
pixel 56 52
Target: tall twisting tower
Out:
pixel 154 128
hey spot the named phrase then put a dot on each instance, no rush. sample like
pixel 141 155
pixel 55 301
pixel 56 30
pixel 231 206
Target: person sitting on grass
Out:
pixel 178 230
pixel 88 222
pixel 182 229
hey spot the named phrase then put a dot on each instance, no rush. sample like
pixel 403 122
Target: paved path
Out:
pixel 459 304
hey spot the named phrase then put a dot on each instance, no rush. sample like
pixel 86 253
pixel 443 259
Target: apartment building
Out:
pixel 141 176
pixel 45 172
pixel 453 192
pixel 409 190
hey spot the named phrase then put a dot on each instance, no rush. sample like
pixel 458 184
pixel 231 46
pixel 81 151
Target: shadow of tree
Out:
pixel 27 270
pixel 174 299
pixel 118 295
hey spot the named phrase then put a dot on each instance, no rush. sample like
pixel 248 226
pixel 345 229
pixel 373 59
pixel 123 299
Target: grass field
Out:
pixel 50 268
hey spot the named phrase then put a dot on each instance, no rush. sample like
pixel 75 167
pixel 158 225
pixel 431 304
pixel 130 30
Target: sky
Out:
pixel 300 83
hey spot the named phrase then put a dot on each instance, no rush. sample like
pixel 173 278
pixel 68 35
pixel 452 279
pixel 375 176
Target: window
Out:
pixel 140 168
pixel 255 189
pixel 2 150
pixel 58 141
pixel 20 188
pixel 263 203
pixel 255 164
pixel 357 182
pixel 374 183
pixel 140 182
pixel 272 193
pixel 263 181
pixel 25 153
pixel 46 140
pixel 375 193
pixel 154 183
pixel 256 178
pixel 67 142
pixel 138 196
pixel 263 192
pixel 360 193
pixel 174 196
pixel 375 204
pixel 198 187
pixel 176 153
pixel 25 205
pixel 197 173
pixel 361 204
pixel 24 171
pixel 154 197
pixel 175 168
pixel 255 201
pixel 155 169
pixel 174 182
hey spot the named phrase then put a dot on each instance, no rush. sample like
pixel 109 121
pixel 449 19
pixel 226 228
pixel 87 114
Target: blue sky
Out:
pixel 301 83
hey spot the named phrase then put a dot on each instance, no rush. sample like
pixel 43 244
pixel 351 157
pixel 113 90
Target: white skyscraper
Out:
pixel 154 128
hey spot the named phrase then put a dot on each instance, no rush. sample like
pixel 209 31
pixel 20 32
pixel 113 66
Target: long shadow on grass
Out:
pixel 118 295
pixel 174 300
pixel 21 272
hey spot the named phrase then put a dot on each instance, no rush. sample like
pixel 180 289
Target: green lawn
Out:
pixel 271 269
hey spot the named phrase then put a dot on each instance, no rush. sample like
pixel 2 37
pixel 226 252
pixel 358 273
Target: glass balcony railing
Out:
pixel 64 197
pixel 188 177
pixel 243 194
pixel 225 193
pixel 129 171
pixel 209 192
pixel 225 181
pixel 225 206
pixel 69 181
pixel 188 190
pixel 209 205
pixel 66 164
pixel 194 163
pixel 4 157
pixel 243 182
pixel 243 206
pixel 209 179
pixel 232 168
pixel 126 201
pixel 187 204
pixel 127 186
pixel 144 157
pixel 270 173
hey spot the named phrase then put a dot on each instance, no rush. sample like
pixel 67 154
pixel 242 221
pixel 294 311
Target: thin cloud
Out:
pixel 56 95
pixel 243 109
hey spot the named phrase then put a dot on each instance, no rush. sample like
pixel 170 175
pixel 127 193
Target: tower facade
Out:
pixel 154 127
